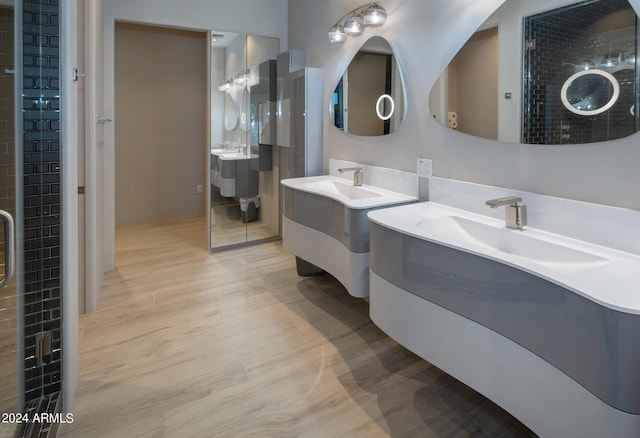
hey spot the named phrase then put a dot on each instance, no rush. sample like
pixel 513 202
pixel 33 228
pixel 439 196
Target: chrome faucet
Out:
pixel 358 175
pixel 516 215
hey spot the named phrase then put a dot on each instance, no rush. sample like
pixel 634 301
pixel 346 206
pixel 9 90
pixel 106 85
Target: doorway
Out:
pixel 160 134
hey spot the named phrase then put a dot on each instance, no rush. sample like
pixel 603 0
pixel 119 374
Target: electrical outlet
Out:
pixel 424 167
pixel 200 188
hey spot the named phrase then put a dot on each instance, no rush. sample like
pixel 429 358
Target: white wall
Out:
pixel 425 36
pixel 264 17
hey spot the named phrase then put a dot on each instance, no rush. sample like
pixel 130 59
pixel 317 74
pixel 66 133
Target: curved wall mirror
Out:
pixel 244 110
pixel 230 113
pixel 369 99
pixel 550 72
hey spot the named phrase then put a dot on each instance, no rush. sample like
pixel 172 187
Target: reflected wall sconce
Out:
pixel 224 86
pixel 630 59
pixel 355 22
pixel 610 61
pixel 587 64
pixel 242 78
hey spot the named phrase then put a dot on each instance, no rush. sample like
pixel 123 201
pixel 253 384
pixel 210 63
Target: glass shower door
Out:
pixel 10 372
pixel 30 194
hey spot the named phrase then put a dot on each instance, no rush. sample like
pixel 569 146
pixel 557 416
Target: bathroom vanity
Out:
pixel 544 325
pixel 325 223
pixel 232 172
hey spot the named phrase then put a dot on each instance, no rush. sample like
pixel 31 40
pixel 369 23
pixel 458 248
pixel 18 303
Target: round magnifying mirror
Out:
pixel 385 107
pixel 244 110
pixel 590 92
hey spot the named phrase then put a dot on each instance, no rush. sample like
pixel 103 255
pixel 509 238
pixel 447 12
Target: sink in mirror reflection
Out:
pixel 236 156
pixel 343 189
pixel 515 242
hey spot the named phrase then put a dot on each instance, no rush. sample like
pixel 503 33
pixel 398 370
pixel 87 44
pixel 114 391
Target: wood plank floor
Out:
pixel 188 344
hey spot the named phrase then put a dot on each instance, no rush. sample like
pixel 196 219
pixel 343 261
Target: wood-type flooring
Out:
pixel 235 344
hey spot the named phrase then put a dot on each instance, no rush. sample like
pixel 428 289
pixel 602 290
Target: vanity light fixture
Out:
pixel 630 59
pixel 242 77
pixel 224 86
pixel 355 22
pixel 587 64
pixel 215 37
pixel 609 61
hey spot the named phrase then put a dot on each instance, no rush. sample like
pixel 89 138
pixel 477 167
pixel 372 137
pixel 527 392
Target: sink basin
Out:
pixel 324 222
pixel 444 281
pixel 598 273
pixel 343 189
pixel 236 156
pixel 508 241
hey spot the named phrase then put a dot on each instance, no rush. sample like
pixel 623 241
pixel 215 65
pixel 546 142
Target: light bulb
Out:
pixel 609 61
pixel 630 59
pixel 586 65
pixel 374 16
pixel 337 34
pixel 354 26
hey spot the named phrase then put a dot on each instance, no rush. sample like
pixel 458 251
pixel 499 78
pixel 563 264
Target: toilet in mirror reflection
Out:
pixel 369 98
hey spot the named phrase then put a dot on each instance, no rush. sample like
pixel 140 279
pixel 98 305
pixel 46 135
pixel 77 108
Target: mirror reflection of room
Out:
pixel 369 100
pixel 576 83
pixel 243 184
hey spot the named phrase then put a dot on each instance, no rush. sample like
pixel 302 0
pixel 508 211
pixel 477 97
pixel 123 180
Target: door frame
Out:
pixel 69 112
pixel 93 155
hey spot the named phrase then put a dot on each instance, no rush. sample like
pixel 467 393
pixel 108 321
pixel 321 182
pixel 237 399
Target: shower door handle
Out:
pixel 9 247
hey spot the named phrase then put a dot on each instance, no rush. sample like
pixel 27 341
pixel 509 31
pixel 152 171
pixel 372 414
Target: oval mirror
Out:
pixel 369 98
pixel 244 110
pixel 230 113
pixel 562 75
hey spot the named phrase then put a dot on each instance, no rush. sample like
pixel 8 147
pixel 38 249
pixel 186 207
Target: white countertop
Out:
pixel 613 283
pixel 373 197
pixel 228 155
pixel 237 156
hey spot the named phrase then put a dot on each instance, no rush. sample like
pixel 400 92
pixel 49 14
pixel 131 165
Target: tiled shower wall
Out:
pixel 557 48
pixel 546 70
pixel 42 195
